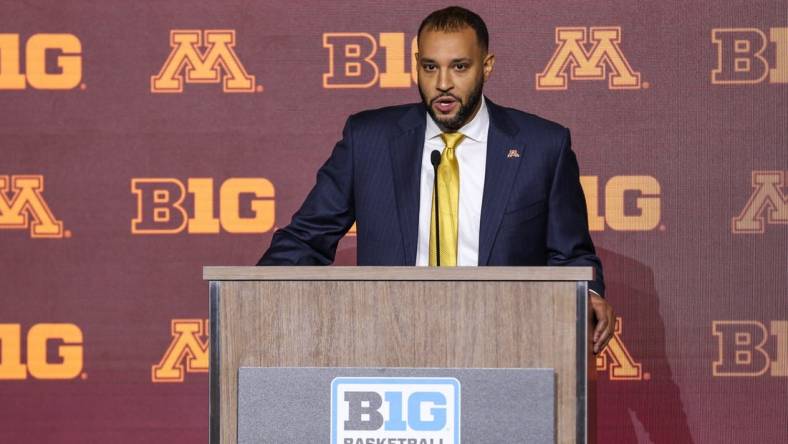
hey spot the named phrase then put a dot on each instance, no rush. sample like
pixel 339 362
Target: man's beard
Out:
pixel 464 113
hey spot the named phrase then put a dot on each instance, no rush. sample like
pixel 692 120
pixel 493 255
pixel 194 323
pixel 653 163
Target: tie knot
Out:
pixel 452 139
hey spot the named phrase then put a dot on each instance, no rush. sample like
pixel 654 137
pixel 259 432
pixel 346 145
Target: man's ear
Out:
pixel 489 62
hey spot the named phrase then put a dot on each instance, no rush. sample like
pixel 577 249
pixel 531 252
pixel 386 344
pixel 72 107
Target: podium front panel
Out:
pixel 340 405
pixel 402 323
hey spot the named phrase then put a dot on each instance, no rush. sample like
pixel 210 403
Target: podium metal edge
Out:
pixel 214 393
pixel 581 362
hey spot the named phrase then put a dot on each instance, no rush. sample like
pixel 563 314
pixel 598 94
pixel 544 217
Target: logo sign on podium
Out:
pixel 341 405
pixel 395 410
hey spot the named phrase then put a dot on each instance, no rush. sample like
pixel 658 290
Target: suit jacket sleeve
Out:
pixel 568 240
pixel 312 236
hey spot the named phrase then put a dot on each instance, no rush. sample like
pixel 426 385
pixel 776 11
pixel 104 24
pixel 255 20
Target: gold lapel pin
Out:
pixel 513 153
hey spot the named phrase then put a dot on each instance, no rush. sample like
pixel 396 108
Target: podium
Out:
pixel 414 317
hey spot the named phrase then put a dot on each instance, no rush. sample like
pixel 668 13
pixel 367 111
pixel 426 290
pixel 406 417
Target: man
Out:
pixel 508 182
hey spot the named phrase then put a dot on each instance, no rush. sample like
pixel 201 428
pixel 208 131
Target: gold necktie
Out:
pixel 448 203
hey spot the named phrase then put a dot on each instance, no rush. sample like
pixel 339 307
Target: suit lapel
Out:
pixel 406 153
pixel 500 172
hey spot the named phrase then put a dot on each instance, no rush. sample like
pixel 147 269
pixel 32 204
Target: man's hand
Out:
pixel 605 322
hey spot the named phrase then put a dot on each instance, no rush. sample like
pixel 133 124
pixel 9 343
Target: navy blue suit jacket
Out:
pixel 533 208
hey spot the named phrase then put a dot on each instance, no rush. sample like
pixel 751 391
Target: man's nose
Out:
pixel 445 81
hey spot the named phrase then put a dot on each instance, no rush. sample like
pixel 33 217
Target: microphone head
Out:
pixel 435 157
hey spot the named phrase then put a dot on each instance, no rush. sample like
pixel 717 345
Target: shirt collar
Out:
pixel 475 130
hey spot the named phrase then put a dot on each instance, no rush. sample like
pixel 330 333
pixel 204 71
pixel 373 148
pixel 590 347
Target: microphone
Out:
pixel 435 158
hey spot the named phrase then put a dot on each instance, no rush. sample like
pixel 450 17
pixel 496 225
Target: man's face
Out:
pixel 452 69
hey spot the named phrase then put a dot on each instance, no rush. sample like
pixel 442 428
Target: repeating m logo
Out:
pixel 591 64
pixel 768 198
pixel 616 359
pixel 202 66
pixel 187 349
pixel 24 202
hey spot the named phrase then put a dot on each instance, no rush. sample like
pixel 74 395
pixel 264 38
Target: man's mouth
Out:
pixel 445 105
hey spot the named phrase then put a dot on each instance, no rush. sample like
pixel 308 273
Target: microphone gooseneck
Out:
pixel 435 158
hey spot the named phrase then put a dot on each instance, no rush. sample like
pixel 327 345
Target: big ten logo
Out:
pixel 22 199
pixel 395 410
pixel 354 60
pixel 631 203
pixel 187 353
pixel 52 61
pixel 167 206
pixel 588 54
pixel 617 361
pixel 204 57
pixel 768 204
pixel 742 348
pixel 53 351
pixel 742 56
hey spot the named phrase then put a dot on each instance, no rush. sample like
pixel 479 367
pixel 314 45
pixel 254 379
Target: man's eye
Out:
pixel 461 67
pixel 428 67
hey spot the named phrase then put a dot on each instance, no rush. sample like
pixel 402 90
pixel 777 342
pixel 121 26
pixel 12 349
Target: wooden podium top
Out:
pixel 335 273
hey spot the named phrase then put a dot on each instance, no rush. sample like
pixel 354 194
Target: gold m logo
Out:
pixel 768 197
pixel 202 66
pixel 187 349
pixel 25 201
pixel 616 359
pixel 590 64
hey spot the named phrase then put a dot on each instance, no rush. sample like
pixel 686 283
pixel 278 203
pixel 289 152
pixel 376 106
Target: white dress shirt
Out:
pixel 472 157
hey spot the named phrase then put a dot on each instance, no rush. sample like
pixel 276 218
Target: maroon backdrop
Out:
pixel 140 141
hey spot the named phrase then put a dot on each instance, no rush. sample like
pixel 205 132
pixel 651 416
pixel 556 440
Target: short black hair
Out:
pixel 455 18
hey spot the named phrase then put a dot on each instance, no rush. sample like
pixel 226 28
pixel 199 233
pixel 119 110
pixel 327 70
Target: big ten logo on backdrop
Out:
pixel 751 348
pixel 617 361
pixel 749 55
pixel 207 56
pixel 767 205
pixel 170 206
pixel 424 410
pixel 48 351
pixel 631 203
pixel 588 54
pixel 23 207
pixel 52 62
pixel 187 352
pixel 360 60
